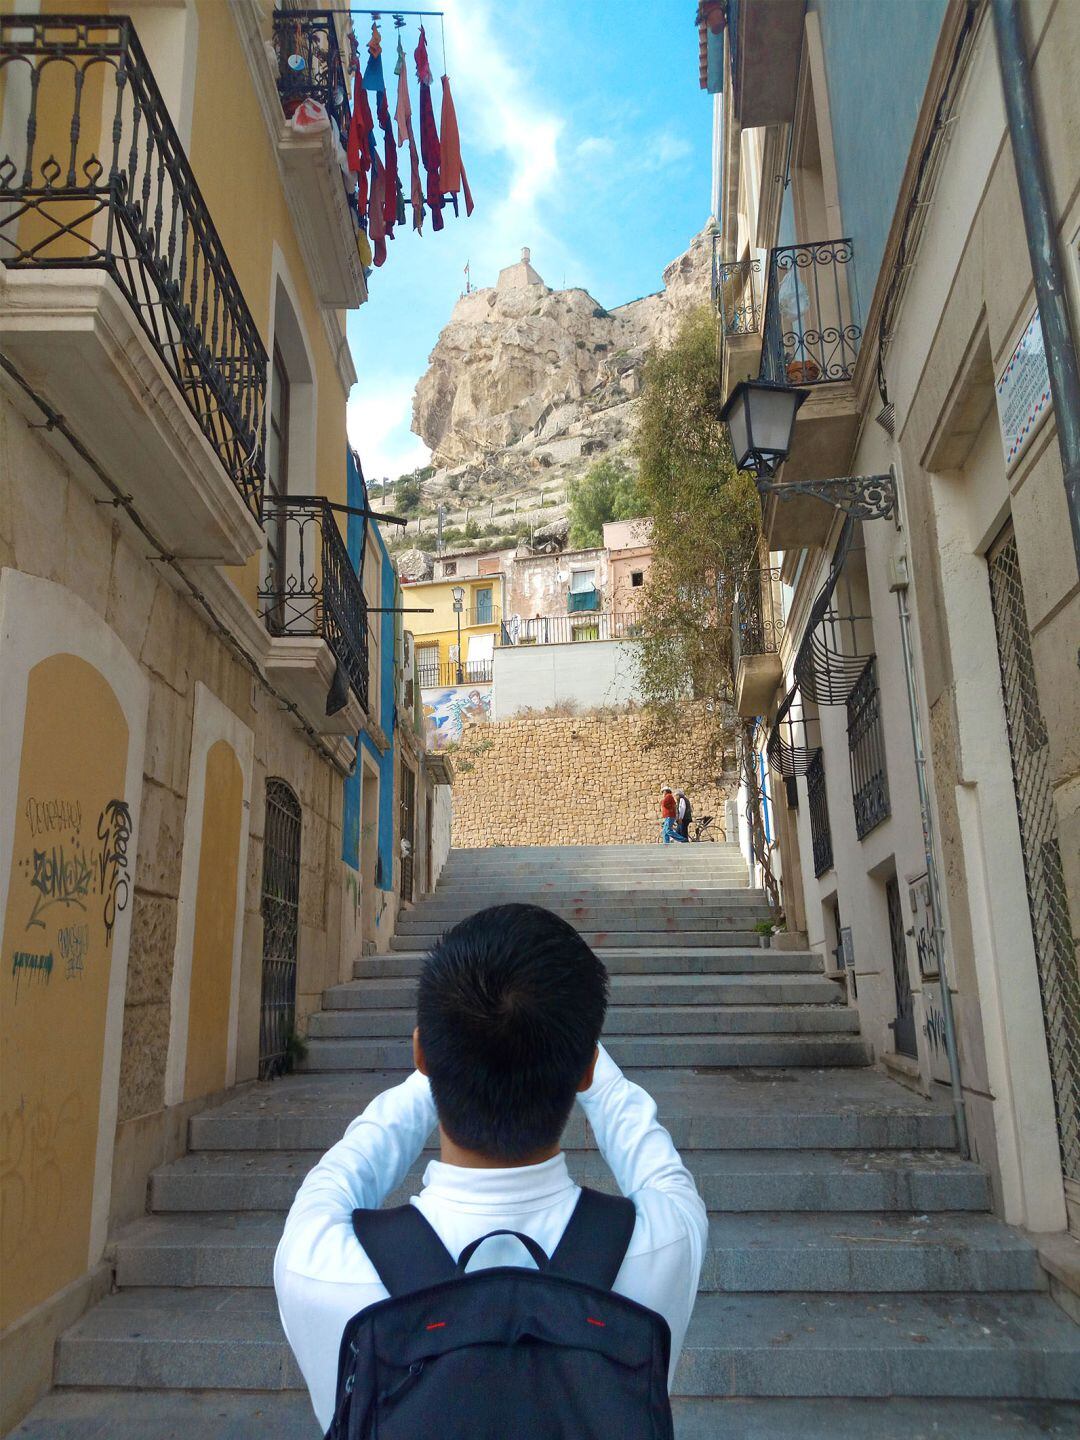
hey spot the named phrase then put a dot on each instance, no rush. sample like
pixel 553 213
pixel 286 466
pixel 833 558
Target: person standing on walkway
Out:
pixel 683 815
pixel 510 1007
pixel 667 813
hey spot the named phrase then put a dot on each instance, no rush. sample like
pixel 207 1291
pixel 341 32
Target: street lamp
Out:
pixel 760 417
pixel 458 592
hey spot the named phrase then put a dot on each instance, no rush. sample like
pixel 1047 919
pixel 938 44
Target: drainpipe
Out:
pixel 900 583
pixel 1046 266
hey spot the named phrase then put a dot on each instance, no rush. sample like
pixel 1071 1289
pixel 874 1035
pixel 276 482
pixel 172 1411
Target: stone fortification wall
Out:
pixel 574 780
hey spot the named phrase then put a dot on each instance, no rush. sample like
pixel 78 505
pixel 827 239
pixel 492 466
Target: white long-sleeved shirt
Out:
pixel 323 1277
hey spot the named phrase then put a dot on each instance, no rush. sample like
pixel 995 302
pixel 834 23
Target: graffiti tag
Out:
pixel 114 831
pixel 31 966
pixel 46 816
pixel 73 942
pixel 60 878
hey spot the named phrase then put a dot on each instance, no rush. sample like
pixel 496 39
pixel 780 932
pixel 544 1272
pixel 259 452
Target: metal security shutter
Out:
pixel 1059 983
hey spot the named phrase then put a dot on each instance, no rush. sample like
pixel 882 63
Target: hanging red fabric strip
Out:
pixel 449 144
pixel 390 198
pixel 429 151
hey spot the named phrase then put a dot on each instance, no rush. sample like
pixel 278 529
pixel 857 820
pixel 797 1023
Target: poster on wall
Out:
pixel 1022 391
pixel 448 711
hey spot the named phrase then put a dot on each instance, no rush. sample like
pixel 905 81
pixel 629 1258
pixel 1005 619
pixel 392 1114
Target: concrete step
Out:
pixel 626 991
pixel 853 1419
pixel 1007 1346
pixel 602 940
pixel 757 1049
pixel 646 1020
pixel 770 1253
pixel 647 959
pixel 435 919
pixel 722 1110
pixel 740 1181
pixel 287 1415
pixel 682 899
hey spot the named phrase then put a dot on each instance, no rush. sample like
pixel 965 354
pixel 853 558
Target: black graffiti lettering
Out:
pixel 32 965
pixel 114 832
pixel 59 878
pixel 45 816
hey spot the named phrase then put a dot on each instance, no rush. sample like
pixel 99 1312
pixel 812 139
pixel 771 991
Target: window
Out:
pixel 449 567
pixel 588 631
pixel 483 612
pixel 427 665
pixel 637 578
pixel 582 581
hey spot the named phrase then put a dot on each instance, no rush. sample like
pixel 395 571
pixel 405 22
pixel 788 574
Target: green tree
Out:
pixel 407 496
pixel 706 533
pixel 607 491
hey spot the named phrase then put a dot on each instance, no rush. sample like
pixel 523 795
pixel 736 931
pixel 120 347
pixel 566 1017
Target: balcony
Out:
pixel 765 42
pixel 441 675
pixel 568 630
pixel 481 617
pixel 757 628
pixel 312 603
pixel 308 65
pixel 866 749
pixel 810 339
pixel 119 304
pixel 818 805
pixel 737 291
pixel 582 602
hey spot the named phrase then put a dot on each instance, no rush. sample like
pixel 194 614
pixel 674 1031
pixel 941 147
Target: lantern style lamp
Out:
pixel 760 418
pixel 458 592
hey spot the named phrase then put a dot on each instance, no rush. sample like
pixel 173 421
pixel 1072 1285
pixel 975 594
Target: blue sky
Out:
pixel 585 137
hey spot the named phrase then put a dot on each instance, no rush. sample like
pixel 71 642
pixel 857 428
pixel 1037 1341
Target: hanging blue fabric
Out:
pixel 373 75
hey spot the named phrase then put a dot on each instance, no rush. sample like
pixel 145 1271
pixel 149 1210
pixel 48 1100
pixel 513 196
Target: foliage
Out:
pixel 607 491
pixel 408 494
pixel 706 532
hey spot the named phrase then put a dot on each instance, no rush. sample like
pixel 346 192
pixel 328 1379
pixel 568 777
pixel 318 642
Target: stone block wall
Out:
pixel 575 780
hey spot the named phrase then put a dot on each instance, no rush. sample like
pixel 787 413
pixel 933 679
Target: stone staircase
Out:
pixel 855 1287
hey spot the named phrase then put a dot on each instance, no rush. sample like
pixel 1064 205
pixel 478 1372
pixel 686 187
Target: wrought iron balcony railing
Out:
pixel 757 620
pixel 480 615
pixel 311 588
pixel 310 66
pixel 866 747
pixel 96 177
pixel 737 293
pixel 818 805
pixel 812 326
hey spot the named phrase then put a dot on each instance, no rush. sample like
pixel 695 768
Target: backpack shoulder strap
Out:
pixel 405 1250
pixel 596 1240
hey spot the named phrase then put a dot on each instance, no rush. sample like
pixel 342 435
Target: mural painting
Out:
pixel 71 875
pixel 447 712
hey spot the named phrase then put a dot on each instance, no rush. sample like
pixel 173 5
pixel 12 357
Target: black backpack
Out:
pixel 502 1353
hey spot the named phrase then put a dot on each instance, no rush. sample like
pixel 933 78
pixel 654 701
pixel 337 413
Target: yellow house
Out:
pixel 186 651
pixel 455 643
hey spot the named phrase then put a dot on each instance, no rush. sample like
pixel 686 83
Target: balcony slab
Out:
pixel 302 668
pixel 77 342
pixel 741 361
pixel 322 218
pixel 756 682
pixel 826 429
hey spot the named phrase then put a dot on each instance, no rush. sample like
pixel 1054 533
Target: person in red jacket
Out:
pixel 667 811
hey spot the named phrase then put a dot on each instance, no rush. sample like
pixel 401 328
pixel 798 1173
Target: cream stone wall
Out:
pixel 574 780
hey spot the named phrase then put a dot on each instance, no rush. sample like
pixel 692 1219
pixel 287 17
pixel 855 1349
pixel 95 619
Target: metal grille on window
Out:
pixel 818 805
pixel 866 748
pixel 280 912
pixel 903 1027
pixel 1059 982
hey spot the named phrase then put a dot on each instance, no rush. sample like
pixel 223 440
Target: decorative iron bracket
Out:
pixel 863 497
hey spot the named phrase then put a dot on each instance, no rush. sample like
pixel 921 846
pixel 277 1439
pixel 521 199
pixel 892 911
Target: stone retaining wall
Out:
pixel 574 780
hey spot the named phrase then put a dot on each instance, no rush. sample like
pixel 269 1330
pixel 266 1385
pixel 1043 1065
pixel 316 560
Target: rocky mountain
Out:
pixel 526 387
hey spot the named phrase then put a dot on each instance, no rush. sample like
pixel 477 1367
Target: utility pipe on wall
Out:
pixel 1046 267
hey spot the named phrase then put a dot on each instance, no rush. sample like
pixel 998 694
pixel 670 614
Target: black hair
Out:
pixel 510 1007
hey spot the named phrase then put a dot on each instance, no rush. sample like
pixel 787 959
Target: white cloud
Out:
pixel 668 147
pixel 595 147
pixel 378 422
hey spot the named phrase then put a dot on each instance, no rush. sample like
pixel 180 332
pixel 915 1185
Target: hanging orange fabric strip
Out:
pixel 450 143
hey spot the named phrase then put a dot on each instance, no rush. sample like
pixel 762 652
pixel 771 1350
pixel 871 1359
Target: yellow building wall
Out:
pixel 215 922
pixel 440 627
pixel 68 865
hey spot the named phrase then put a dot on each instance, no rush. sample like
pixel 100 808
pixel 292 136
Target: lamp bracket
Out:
pixel 863 497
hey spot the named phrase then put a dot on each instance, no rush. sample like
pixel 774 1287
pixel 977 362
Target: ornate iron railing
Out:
pixel 794 739
pixel 838 641
pixel 818 805
pixel 310 64
pixel 757 623
pixel 311 588
pixel 812 325
pixel 97 178
pixel 737 294
pixel 281 927
pixel 866 749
